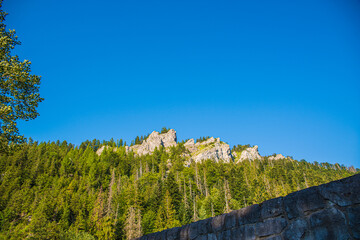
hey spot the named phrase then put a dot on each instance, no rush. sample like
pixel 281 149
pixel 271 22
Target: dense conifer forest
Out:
pixel 61 191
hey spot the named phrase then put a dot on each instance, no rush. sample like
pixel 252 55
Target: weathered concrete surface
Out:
pixel 329 211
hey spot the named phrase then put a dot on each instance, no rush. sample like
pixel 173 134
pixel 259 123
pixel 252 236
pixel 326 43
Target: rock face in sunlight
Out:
pixel 155 140
pixel 210 149
pixel 190 145
pixel 250 153
pixel 277 157
pixel 100 150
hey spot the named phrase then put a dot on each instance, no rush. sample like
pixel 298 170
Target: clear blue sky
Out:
pixel 284 75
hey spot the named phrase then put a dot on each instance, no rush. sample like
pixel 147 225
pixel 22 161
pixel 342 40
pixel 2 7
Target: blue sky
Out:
pixel 284 75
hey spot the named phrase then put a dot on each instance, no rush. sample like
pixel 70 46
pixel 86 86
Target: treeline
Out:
pixel 59 191
pixel 202 139
pixel 141 139
pixel 240 148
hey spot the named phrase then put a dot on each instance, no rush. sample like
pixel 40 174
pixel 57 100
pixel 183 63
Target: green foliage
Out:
pixel 166 214
pixel 19 89
pixel 58 191
pixel 164 130
pixel 240 148
pixel 141 139
pixel 202 139
pixel 138 140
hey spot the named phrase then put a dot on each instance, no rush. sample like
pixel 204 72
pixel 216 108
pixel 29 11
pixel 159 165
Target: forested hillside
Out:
pixel 59 191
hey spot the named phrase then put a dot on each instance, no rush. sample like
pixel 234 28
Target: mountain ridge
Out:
pixel 211 148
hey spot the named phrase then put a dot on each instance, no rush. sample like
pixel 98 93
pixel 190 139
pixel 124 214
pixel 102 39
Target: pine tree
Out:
pixel 166 215
pixel 98 212
pixel 109 210
pixel 227 196
pixel 133 223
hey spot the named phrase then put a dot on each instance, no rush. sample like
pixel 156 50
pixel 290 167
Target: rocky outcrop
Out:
pixel 155 140
pixel 276 157
pixel 101 149
pixel 279 157
pixel 190 145
pixel 208 141
pixel 328 211
pixel 217 152
pixel 212 148
pixel 250 153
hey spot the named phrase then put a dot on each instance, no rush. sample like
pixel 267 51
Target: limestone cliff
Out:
pixel 155 140
pixel 250 153
pixel 210 149
pixel 277 157
pixel 101 149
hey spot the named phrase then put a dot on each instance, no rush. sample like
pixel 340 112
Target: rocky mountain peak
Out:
pixel 208 141
pixel 155 140
pixel 102 148
pixel 190 145
pixel 276 157
pixel 250 153
pixel 190 142
pixel 211 148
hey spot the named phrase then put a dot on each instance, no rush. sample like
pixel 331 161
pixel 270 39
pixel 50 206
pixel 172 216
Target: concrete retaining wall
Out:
pixel 328 211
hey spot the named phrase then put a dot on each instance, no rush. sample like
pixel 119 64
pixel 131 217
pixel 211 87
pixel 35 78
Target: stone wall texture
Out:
pixel 329 211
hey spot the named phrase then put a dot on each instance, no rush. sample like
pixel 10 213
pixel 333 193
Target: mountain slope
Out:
pixel 58 191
